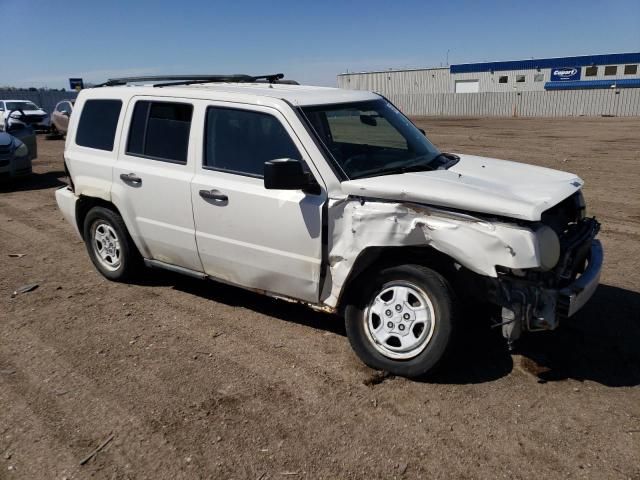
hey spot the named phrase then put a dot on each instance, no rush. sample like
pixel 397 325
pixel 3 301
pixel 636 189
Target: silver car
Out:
pixel 60 117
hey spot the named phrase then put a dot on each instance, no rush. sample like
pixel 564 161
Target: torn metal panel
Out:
pixel 474 243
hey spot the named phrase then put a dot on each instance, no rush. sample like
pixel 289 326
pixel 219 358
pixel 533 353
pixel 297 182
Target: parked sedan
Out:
pixel 18 148
pixel 31 114
pixel 60 117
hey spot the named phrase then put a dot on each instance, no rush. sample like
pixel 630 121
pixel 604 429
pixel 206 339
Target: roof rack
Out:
pixel 171 80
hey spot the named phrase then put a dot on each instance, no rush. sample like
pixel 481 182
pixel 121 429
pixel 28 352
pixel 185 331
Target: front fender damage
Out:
pixel 356 224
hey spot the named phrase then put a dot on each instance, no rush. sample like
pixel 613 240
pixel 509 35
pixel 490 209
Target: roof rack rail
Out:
pixel 171 80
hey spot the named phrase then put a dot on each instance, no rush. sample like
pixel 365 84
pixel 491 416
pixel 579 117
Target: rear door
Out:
pixel 262 239
pixel 90 150
pixel 152 179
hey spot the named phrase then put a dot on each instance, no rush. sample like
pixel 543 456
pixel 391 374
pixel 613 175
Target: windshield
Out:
pixel 371 138
pixel 21 106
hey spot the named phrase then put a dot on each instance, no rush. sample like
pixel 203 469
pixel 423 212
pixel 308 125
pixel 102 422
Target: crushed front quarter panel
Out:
pixel 356 224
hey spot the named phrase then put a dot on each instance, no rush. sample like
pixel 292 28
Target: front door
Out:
pixel 262 239
pixel 152 179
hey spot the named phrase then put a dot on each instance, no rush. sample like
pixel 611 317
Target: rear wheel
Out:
pixel 109 244
pixel 402 322
pixel 53 133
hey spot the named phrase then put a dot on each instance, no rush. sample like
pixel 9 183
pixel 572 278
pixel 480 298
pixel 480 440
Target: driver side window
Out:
pixel 241 141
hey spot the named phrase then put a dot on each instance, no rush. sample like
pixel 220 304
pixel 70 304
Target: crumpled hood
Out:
pixel 476 184
pixel 5 139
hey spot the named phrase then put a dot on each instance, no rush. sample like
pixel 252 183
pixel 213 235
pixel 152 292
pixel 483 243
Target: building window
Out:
pixel 630 69
pixel 538 77
pixel 503 79
pixel 520 78
pixel 591 71
pixel 611 70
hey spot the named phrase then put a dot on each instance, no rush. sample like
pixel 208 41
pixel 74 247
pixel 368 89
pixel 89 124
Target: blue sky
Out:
pixel 46 42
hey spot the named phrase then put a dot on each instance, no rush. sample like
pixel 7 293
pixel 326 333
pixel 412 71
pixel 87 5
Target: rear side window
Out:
pixel 241 141
pixel 98 123
pixel 160 131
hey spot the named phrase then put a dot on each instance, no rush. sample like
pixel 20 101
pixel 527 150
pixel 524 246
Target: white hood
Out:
pixel 476 184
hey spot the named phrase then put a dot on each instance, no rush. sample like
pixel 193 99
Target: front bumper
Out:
pixel 572 298
pixel 15 167
pixel 528 305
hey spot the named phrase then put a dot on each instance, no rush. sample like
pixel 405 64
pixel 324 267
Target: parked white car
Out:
pixel 328 197
pixel 23 112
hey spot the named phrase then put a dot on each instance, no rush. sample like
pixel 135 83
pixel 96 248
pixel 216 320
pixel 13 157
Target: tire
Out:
pixel 53 133
pixel 412 307
pixel 109 244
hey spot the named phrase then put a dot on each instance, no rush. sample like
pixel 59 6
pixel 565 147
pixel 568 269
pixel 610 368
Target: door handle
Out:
pixel 214 195
pixel 131 178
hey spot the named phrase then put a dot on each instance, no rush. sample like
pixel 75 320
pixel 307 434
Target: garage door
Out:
pixel 467 86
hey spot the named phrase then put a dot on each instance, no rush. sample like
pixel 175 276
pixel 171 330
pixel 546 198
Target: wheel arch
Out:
pixel 374 259
pixel 84 204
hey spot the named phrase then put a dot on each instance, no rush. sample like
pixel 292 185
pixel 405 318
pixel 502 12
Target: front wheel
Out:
pixel 402 321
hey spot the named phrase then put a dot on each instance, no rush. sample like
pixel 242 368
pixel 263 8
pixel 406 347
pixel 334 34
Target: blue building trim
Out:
pixel 581 61
pixel 590 84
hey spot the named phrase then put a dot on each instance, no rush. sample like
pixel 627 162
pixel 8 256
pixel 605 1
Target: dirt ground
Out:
pixel 193 379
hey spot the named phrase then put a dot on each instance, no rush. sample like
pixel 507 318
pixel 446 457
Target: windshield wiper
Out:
pixel 397 170
pixel 418 165
pixel 443 161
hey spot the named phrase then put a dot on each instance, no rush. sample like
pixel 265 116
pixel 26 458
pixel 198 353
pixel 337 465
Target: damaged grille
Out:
pixel 575 247
pixel 32 118
pixel 575 233
pixel 565 214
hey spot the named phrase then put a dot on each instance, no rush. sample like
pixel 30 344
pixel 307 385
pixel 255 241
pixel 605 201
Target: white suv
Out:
pixel 328 197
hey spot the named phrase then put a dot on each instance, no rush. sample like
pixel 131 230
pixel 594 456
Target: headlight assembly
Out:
pixel 21 151
pixel 549 247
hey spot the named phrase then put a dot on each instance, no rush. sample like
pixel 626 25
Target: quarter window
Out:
pixel 160 131
pixel 630 69
pixel 98 123
pixel 241 141
pixel 591 71
pixel 611 70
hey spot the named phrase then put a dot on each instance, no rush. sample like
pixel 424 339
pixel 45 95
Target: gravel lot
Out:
pixel 193 379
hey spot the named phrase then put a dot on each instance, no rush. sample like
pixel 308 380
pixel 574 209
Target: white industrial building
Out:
pixel 583 85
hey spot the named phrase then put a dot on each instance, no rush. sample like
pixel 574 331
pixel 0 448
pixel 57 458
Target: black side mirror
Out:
pixel 368 120
pixel 288 174
pixel 423 132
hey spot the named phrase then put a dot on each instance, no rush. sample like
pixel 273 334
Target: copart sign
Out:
pixel 559 74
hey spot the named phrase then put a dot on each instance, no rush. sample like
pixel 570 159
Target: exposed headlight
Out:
pixel 21 151
pixel 548 246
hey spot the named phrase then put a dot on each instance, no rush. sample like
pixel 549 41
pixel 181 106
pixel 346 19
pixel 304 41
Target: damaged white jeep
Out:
pixel 328 197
